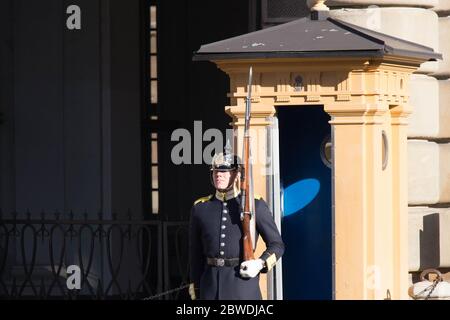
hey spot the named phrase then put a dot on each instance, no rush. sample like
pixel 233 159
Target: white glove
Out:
pixel 251 268
pixel 192 291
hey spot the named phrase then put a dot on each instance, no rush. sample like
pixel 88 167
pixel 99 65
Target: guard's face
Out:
pixel 222 179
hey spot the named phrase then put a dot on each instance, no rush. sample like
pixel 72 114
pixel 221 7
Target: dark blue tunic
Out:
pixel 216 232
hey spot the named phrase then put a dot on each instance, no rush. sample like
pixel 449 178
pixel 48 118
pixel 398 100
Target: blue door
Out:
pixel 305 175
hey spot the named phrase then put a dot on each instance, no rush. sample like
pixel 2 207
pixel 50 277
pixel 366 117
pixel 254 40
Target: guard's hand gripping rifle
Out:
pixel 248 200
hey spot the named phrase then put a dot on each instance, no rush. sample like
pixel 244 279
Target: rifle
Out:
pixel 248 199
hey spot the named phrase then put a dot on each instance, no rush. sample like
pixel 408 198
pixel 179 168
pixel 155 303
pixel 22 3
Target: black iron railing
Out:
pixel 56 257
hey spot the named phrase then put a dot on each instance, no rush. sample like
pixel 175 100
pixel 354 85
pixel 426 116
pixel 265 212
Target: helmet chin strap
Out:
pixel 232 185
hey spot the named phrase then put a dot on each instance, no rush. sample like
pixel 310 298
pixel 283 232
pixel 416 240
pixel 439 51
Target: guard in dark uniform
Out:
pixel 216 267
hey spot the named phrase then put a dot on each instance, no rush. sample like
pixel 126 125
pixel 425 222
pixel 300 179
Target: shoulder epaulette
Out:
pixel 203 199
pixel 258 197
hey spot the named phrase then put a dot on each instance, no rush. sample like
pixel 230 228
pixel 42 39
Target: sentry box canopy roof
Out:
pixel 326 37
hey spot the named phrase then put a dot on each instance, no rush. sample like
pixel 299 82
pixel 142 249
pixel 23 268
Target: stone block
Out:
pixel 443 69
pixel 444 177
pixel 443 8
pixel 444 108
pixel 424 99
pixel 423 172
pixel 412 24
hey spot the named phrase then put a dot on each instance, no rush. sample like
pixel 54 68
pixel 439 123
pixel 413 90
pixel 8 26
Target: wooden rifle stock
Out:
pixel 248 199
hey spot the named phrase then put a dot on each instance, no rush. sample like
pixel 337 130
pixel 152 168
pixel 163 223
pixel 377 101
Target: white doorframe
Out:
pixel 275 276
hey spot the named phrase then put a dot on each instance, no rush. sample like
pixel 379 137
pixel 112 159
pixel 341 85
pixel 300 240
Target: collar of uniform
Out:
pixel 225 196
